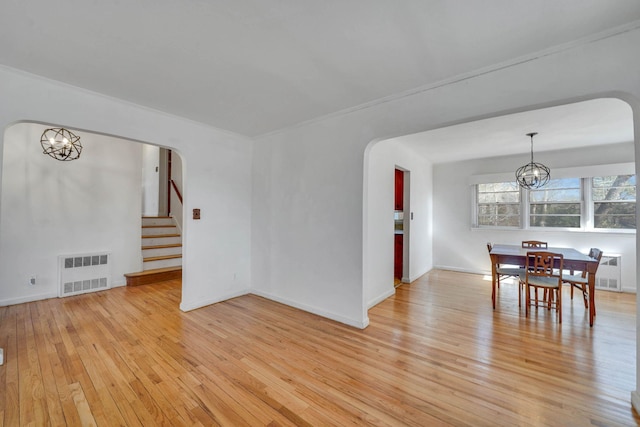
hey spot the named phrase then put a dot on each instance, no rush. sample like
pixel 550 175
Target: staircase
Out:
pixel 161 252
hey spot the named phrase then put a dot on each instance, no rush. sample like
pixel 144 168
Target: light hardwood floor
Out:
pixel 433 354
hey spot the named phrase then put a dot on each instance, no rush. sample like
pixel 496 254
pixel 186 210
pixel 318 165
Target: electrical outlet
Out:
pixel 32 280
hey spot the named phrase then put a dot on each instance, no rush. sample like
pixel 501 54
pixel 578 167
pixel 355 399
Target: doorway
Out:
pixel 400 226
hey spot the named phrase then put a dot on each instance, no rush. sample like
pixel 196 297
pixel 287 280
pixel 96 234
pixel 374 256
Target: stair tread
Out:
pixel 154 275
pixel 154 271
pixel 158 258
pixel 171 245
pixel 157 225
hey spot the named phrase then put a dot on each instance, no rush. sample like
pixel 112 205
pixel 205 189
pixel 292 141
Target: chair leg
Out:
pixel 527 299
pixel 559 303
pixel 571 286
pixel 585 297
pixel 549 297
pixel 519 293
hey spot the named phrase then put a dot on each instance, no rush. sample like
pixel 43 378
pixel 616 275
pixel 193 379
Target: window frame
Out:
pixel 526 195
pixel 587 215
pixel 593 202
pixel 478 203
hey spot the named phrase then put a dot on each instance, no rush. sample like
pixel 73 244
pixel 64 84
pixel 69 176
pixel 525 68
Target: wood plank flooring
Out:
pixel 435 354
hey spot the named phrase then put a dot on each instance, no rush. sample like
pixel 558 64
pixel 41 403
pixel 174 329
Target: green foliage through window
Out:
pixel 614 201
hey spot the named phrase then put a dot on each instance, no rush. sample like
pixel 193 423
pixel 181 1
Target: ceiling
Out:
pixel 588 123
pixel 257 66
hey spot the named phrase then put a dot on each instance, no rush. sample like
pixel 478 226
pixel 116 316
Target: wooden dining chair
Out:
pixel 505 272
pixel 534 244
pixel 579 279
pixel 543 270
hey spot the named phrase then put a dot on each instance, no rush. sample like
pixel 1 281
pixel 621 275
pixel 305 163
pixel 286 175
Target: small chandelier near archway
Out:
pixel 532 175
pixel 61 144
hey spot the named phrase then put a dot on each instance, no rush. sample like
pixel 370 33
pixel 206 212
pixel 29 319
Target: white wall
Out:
pixel 308 204
pixel 217 179
pixel 150 179
pixel 381 160
pixel 51 208
pixel 457 246
pixel 306 246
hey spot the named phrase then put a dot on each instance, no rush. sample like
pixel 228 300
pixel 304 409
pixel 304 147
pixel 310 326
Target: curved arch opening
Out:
pixel 51 208
pixel 441 162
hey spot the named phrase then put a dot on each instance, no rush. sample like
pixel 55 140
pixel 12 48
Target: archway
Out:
pixel 50 208
pixel 471 238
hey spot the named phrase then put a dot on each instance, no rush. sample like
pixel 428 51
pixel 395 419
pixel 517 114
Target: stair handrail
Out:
pixel 175 187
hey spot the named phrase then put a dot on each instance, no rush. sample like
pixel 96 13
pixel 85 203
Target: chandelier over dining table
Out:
pixel 532 175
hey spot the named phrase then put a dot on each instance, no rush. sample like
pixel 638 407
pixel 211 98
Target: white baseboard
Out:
pixel 417 276
pixel 193 305
pixel 119 283
pixel 314 310
pixel 460 270
pixel 488 273
pixel 635 400
pixel 30 298
pixel 381 298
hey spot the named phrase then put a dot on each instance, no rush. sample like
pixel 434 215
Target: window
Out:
pixel 557 204
pixel 499 204
pixel 614 201
pixel 594 203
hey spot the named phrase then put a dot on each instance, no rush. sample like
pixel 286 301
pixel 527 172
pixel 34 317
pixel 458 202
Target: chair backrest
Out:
pixel 534 244
pixel 596 254
pixel 543 263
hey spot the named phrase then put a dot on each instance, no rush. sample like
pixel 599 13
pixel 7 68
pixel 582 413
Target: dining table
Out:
pixel 573 260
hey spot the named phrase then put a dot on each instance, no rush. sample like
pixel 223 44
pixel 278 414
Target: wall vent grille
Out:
pixel 84 273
